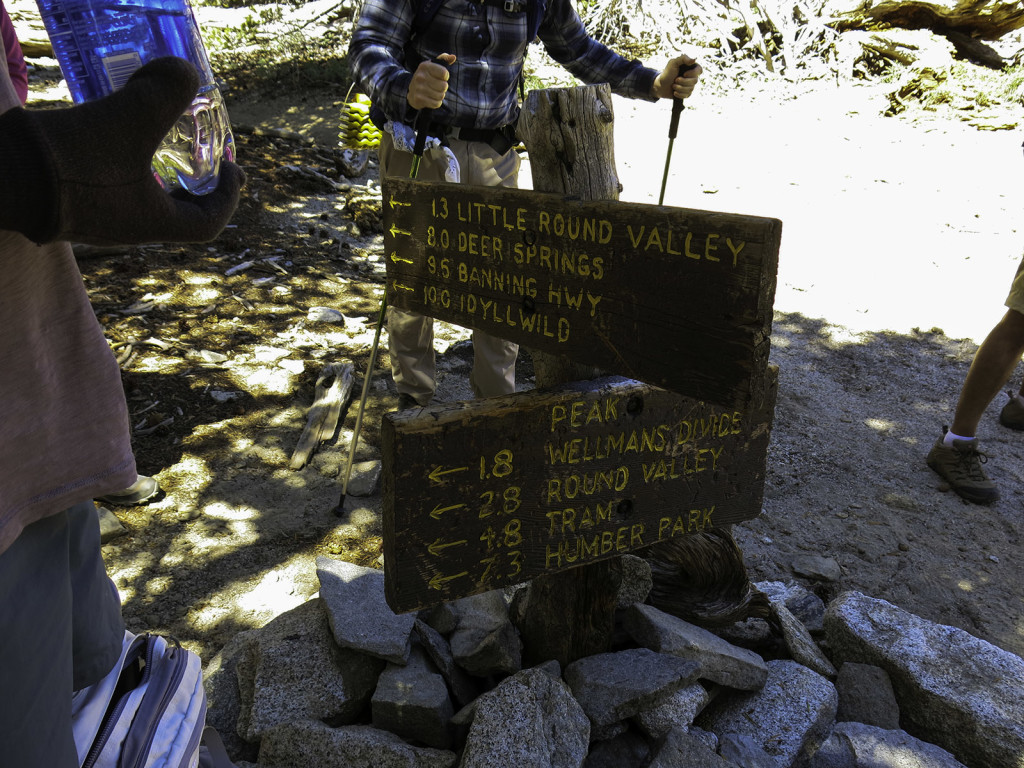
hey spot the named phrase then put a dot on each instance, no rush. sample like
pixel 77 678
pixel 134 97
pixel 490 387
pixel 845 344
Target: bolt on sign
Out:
pixel 678 298
pixel 482 494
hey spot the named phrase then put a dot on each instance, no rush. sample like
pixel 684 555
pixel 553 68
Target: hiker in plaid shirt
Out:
pixel 394 55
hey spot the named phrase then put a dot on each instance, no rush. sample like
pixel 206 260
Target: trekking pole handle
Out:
pixel 677 106
pixel 677 109
pixel 421 126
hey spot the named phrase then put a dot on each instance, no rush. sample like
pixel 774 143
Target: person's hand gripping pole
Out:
pixel 427 90
pixel 679 87
pixel 426 93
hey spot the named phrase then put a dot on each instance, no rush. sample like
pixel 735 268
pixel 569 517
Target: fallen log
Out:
pixel 984 19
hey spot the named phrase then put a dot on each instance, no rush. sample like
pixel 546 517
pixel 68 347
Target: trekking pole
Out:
pixel 673 129
pixel 362 404
pixel 421 125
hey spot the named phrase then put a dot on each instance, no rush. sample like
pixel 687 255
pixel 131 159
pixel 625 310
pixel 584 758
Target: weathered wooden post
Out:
pixel 483 494
pixel 569 136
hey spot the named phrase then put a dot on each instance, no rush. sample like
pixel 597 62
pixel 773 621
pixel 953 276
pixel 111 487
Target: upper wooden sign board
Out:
pixel 674 297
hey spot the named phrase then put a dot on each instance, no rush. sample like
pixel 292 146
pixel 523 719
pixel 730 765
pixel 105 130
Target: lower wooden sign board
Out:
pixel 674 297
pixel 482 494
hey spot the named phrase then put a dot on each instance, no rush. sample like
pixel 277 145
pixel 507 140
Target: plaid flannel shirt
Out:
pixel 490 46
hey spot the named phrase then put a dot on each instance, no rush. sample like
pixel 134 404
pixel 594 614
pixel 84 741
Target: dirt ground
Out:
pixel 900 236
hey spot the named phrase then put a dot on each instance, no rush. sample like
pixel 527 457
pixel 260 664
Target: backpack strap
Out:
pixel 212 754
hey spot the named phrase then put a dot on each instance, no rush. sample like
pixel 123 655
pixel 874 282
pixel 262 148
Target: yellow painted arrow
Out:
pixel 396 231
pixel 439 546
pixel 400 287
pixel 438 581
pixel 396 258
pixel 437 511
pixel 436 474
pixel 397 203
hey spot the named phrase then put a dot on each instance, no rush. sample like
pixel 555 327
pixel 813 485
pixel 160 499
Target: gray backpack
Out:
pixel 148 712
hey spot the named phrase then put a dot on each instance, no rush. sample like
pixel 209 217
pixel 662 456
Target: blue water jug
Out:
pixel 100 43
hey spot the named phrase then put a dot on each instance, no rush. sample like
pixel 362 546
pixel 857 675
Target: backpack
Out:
pixel 148 712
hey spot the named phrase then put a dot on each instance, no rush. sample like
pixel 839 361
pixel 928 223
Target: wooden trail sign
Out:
pixel 674 297
pixel 482 494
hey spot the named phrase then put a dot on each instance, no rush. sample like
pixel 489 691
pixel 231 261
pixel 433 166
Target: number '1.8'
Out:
pixel 499 466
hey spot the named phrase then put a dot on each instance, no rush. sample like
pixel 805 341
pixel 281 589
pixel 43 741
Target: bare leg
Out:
pixel 992 366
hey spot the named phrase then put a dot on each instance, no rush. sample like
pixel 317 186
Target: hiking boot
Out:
pixel 142 490
pixel 1012 415
pixel 960 466
pixel 406 401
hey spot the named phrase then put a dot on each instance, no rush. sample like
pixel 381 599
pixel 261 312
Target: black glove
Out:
pixel 84 173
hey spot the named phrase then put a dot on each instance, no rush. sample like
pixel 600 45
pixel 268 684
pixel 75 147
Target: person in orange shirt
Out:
pixel 16 67
pixel 144 488
pixel 81 173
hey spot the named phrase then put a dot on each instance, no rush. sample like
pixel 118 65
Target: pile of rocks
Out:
pixel 342 681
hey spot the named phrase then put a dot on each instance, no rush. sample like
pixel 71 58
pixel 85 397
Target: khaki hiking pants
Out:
pixel 411 336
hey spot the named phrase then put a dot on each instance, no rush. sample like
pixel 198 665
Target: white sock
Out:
pixel 950 437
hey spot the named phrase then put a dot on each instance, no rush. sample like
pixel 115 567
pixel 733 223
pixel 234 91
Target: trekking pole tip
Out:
pixel 339 510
